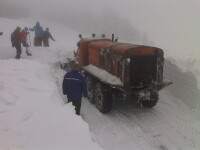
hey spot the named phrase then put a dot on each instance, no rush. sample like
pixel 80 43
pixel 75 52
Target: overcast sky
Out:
pixel 171 24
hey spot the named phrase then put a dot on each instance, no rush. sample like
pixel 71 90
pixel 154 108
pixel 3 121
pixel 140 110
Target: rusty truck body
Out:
pixel 114 67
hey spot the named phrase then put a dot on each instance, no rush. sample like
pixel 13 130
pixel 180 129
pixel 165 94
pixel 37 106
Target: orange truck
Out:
pixel 114 68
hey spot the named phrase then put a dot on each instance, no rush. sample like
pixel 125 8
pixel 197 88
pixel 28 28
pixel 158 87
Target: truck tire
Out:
pixel 152 102
pixel 103 98
pixel 90 89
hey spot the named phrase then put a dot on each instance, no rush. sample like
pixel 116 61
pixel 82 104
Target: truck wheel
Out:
pixel 152 102
pixel 103 98
pixel 90 89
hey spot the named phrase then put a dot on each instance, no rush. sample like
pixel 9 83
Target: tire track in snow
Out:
pixel 188 135
pixel 142 137
pixel 185 129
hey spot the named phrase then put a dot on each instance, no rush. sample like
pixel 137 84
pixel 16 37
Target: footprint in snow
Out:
pixel 26 116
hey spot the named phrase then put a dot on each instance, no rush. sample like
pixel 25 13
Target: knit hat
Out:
pixel 18 28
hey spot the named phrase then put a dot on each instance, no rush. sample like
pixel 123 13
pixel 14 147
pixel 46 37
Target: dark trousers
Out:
pixel 18 50
pixel 38 41
pixel 46 42
pixel 77 104
pixel 25 44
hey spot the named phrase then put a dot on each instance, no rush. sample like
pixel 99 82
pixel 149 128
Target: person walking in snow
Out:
pixel 1 33
pixel 16 42
pixel 38 34
pixel 24 36
pixel 46 36
pixel 74 86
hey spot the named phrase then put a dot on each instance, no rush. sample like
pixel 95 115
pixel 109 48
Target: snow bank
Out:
pixel 32 113
pixel 184 73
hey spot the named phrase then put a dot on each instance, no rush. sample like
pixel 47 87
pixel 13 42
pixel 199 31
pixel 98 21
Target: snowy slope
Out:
pixel 33 112
pixel 172 125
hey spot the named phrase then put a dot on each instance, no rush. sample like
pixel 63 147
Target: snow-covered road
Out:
pixel 171 125
pixel 167 126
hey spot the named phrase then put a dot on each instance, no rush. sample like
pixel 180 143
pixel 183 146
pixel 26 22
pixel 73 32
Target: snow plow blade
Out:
pixel 160 86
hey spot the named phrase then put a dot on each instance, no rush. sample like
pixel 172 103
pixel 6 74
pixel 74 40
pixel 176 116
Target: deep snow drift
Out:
pixel 34 116
pixel 32 111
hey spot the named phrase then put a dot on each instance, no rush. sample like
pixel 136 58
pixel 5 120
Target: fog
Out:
pixel 168 24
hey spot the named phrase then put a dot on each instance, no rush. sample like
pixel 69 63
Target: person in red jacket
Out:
pixel 23 35
pixel 16 42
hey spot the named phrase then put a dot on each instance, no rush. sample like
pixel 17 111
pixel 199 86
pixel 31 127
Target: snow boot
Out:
pixel 17 57
pixel 28 54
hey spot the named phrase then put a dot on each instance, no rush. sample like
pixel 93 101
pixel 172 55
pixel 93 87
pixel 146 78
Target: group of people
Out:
pixel 41 35
pixel 19 37
pixel 74 83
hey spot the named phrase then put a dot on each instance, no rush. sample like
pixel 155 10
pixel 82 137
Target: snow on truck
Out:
pixel 120 68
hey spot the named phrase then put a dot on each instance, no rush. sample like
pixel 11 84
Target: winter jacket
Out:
pixel 74 85
pixel 47 35
pixel 23 36
pixel 38 31
pixel 16 38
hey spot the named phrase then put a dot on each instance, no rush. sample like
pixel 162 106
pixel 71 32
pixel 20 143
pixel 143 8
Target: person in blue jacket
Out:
pixel 38 34
pixel 74 86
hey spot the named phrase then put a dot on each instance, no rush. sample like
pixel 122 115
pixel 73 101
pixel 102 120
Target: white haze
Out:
pixel 170 125
pixel 168 24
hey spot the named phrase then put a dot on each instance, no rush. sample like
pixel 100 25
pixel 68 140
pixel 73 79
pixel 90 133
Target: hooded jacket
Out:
pixel 74 85
pixel 16 38
pixel 47 35
pixel 38 31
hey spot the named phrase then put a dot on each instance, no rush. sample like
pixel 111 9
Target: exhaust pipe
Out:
pixel 113 37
